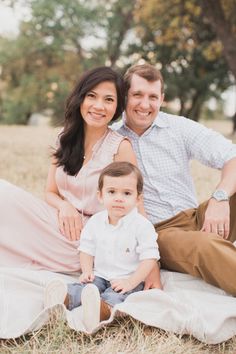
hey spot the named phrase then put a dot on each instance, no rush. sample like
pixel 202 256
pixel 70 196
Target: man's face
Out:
pixel 143 103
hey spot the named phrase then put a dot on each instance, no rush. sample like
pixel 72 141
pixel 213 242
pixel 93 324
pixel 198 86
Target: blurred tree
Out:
pixel 222 18
pixel 117 21
pixel 42 63
pixel 174 34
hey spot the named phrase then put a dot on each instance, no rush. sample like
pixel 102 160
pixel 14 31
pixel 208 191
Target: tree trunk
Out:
pixel 213 11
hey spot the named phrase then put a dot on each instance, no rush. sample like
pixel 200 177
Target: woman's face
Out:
pixel 99 105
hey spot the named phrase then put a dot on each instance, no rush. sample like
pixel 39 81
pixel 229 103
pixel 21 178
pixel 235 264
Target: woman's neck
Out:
pixel 92 136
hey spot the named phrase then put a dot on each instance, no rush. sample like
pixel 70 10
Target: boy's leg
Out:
pixel 55 293
pixel 112 297
pixel 93 310
pixel 75 291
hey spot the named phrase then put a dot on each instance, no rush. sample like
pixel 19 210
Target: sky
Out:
pixel 10 18
pixel 9 22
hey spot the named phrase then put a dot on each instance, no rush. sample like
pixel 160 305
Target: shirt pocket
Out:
pixel 126 251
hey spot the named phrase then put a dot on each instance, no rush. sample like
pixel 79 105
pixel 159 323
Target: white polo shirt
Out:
pixel 118 249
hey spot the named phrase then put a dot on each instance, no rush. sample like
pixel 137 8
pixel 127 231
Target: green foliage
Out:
pixel 190 54
pixel 63 38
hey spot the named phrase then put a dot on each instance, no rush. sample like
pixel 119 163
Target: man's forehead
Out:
pixel 137 80
pixel 138 83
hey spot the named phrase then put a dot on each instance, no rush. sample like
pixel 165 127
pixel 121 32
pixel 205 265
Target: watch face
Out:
pixel 220 195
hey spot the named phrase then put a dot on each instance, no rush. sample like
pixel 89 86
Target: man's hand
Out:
pixel 153 279
pixel 217 218
pixel 70 221
pixel 122 285
pixel 86 277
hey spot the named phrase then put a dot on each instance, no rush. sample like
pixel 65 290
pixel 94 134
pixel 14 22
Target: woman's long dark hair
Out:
pixel 70 152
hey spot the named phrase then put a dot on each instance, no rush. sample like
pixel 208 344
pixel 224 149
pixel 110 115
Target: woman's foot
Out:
pixel 55 293
pixel 94 310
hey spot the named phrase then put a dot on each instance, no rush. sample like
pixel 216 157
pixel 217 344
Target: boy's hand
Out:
pixel 86 277
pixel 122 285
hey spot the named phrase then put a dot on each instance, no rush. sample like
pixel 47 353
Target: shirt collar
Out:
pixel 160 121
pixel 125 220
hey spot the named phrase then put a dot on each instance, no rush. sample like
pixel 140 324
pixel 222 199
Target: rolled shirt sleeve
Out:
pixel 147 247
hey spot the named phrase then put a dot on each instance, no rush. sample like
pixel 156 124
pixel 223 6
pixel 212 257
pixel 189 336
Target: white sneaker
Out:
pixel 91 302
pixel 55 293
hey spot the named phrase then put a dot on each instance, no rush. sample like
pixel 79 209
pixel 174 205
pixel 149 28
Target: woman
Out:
pixel 44 235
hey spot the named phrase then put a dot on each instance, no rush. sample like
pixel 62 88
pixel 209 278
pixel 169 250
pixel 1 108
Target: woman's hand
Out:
pixel 70 221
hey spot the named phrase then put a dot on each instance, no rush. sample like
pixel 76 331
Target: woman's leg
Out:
pixel 29 233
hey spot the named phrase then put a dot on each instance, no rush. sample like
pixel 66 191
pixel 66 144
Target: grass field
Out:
pixel 24 159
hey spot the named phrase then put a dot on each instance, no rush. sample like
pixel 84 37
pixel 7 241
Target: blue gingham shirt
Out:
pixel 164 152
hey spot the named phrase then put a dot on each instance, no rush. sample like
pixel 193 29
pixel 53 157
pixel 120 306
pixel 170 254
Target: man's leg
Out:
pixel 184 248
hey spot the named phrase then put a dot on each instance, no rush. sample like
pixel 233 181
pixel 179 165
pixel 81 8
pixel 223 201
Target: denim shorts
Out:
pixel 108 295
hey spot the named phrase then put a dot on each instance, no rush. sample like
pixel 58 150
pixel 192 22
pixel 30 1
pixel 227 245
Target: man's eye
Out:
pixel 154 98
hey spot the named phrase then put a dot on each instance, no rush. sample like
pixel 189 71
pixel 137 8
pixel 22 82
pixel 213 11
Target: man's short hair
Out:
pixel 118 169
pixel 146 71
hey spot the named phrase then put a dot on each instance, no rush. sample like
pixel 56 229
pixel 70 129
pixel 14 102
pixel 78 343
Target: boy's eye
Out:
pixel 111 191
pixel 127 193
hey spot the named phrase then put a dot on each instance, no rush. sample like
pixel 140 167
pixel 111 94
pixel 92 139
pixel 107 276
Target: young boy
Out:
pixel 118 249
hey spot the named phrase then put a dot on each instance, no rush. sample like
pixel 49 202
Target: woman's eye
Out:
pixel 110 99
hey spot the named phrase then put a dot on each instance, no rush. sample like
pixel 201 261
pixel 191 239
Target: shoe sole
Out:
pixel 55 293
pixel 91 303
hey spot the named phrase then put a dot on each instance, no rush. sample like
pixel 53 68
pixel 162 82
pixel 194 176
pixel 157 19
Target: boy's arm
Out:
pixel 144 268
pixel 86 263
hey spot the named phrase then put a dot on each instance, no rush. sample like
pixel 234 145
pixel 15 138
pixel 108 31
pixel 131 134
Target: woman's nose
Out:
pixel 98 104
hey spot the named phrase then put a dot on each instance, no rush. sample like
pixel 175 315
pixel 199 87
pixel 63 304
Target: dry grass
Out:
pixel 24 159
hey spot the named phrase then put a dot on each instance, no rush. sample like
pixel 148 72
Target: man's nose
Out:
pixel 144 103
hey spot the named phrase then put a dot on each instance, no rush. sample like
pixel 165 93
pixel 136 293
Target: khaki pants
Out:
pixel 185 249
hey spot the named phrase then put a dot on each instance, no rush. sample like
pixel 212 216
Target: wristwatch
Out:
pixel 220 195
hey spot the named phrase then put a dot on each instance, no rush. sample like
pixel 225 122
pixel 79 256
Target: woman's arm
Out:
pixel 70 222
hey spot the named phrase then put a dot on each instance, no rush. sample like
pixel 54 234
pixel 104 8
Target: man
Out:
pixel 193 239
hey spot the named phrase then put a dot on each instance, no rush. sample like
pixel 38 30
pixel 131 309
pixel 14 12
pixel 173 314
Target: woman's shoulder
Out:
pixel 113 139
pixel 113 134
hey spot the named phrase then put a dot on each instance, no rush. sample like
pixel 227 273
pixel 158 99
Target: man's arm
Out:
pixel 217 216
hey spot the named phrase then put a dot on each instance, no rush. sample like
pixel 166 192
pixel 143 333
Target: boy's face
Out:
pixel 119 196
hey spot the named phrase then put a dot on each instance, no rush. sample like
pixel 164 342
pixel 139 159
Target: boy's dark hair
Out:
pixel 118 169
